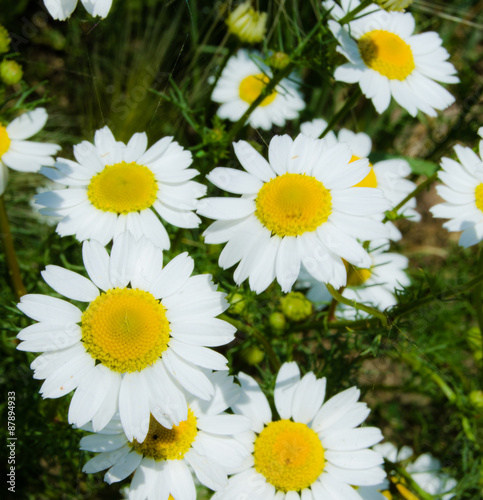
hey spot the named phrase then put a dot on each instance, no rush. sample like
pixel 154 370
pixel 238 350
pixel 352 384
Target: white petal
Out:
pixel 70 284
pixel 134 407
pixel 49 309
pixel 285 385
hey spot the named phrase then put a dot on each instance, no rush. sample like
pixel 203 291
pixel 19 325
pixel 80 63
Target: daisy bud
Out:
pixel 247 24
pixel 252 355
pixel 10 72
pixel 278 60
pixel 277 322
pixel 4 40
pixel 476 399
pixel 237 303
pixel 394 4
pixel 296 306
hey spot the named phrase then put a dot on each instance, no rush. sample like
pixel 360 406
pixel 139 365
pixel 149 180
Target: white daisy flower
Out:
pixel 314 452
pixel 387 175
pixel 22 155
pixel 387 59
pixel 297 209
pixel 141 338
pixel 462 190
pixel 62 9
pixel 425 471
pixel 373 286
pixel 162 463
pixel 116 187
pixel 242 81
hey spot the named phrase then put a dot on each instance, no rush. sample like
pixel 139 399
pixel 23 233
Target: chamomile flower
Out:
pixel 243 80
pixel 297 209
pixel 387 175
pixel 164 461
pixel 314 451
pixel 425 471
pixel 62 9
pixel 139 341
pixel 374 286
pixel 247 24
pixel 462 190
pixel 19 154
pixel 387 59
pixel 115 187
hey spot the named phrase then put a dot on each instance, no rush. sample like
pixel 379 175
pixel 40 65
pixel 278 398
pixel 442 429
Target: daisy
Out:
pixel 297 209
pixel 374 286
pixel 386 59
pixel 242 81
pixel 139 341
pixel 164 461
pixel 62 9
pixel 425 471
pixel 22 155
pixel 462 190
pixel 387 175
pixel 115 187
pixel 313 452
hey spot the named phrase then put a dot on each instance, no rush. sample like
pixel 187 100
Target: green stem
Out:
pixel 10 256
pixel 476 294
pixel 423 495
pixel 353 13
pixel 248 330
pixel 348 105
pixel 419 189
pixel 352 303
pixel 274 81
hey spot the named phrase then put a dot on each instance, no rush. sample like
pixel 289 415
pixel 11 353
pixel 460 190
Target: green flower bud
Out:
pixel 476 399
pixel 10 72
pixel 277 322
pixel 278 60
pixel 4 40
pixel 252 355
pixel 296 306
pixel 237 302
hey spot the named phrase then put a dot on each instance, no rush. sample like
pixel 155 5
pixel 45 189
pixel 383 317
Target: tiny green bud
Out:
pixel 10 72
pixel 252 355
pixel 476 399
pixel 296 306
pixel 278 60
pixel 4 40
pixel 237 302
pixel 277 322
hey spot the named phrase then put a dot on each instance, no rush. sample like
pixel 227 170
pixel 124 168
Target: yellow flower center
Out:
pixel 387 53
pixel 125 329
pixel 369 181
pixel 293 204
pixel 4 141
pixel 289 455
pixel 168 444
pixel 122 188
pixel 479 196
pixel 252 86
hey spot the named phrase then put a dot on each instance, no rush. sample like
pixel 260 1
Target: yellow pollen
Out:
pixel 289 455
pixel 125 329
pixel 252 86
pixel 479 196
pixel 369 181
pixel 168 444
pixel 387 53
pixel 123 188
pixel 4 141
pixel 293 204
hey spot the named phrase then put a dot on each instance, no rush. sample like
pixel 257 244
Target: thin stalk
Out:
pixel 353 13
pixel 239 325
pixel 348 105
pixel 352 303
pixel 419 189
pixel 10 256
